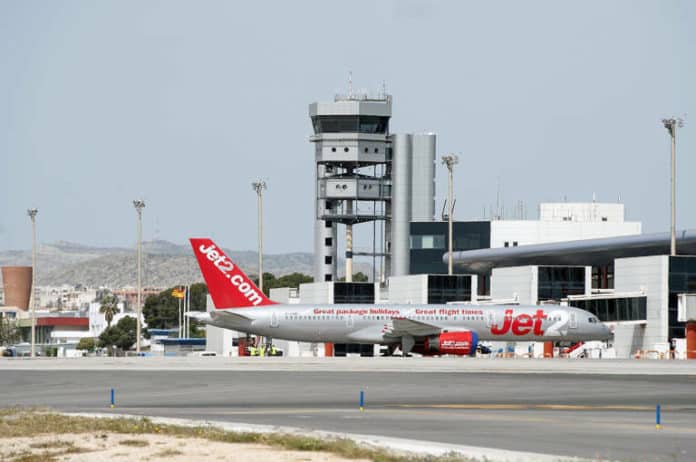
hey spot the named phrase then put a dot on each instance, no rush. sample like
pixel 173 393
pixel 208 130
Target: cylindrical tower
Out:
pixel 16 281
pixel 423 177
pixel 401 203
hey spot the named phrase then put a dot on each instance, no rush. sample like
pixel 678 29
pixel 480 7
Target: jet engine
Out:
pixel 451 343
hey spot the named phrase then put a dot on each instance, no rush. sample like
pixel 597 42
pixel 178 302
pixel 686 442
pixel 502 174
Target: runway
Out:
pixel 609 416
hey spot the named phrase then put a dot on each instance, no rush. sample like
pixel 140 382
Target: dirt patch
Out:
pixel 119 447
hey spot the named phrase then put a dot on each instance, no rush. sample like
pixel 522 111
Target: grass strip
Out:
pixel 18 422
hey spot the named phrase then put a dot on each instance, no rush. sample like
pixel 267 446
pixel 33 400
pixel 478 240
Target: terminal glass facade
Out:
pixel 444 288
pixel 557 282
pixel 354 292
pixel 428 242
pixel 614 309
pixel 682 280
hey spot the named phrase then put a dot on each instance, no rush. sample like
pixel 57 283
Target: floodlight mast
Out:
pixel 139 205
pixel 671 125
pixel 450 161
pixel 259 187
pixel 32 215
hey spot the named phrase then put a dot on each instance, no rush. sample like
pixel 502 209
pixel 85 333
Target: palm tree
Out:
pixel 108 308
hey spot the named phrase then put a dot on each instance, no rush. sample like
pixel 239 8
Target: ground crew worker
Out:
pixel 274 352
pixel 253 351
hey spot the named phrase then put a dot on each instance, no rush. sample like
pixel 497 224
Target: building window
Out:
pixel 507 244
pixel 354 292
pixel 428 241
pixel 615 309
pixel 328 224
pixel 366 150
pixel 327 277
pixel 514 243
pixel 557 282
pixel 445 288
pixel 604 218
pixel 376 150
pixel 328 241
pixel 328 259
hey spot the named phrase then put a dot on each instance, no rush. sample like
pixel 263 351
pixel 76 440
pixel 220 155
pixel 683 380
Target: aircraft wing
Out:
pixel 230 318
pixel 405 326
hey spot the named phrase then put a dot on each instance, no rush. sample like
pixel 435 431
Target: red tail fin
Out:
pixel 228 285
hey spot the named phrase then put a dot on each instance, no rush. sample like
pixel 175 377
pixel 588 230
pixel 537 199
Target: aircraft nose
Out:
pixel 606 331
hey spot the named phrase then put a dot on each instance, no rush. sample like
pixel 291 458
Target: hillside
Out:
pixel 165 264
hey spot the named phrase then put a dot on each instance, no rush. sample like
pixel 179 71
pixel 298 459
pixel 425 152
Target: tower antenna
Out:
pixel 350 84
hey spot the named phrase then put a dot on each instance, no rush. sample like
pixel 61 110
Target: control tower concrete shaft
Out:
pixel 353 178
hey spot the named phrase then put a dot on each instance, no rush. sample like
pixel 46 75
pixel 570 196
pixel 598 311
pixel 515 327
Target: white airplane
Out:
pixel 425 329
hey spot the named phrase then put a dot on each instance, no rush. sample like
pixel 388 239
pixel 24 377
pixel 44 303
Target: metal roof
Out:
pixel 587 252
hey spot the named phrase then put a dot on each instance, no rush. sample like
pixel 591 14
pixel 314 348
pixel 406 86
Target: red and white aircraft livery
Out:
pixel 425 329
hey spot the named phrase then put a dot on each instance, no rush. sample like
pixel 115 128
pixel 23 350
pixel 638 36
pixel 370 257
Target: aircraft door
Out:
pixel 490 318
pixel 274 319
pixel 573 323
pixel 349 321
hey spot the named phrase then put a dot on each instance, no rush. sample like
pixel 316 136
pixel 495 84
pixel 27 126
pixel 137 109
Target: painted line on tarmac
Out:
pixel 416 447
pixel 528 407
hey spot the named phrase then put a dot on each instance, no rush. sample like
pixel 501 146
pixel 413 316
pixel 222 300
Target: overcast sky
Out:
pixel 184 103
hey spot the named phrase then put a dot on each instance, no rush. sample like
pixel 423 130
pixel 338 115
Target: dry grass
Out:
pixel 17 422
pixel 134 443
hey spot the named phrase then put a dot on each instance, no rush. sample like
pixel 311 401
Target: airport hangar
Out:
pixel 630 282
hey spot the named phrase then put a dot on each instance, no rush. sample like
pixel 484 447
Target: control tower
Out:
pixel 353 177
pixel 365 174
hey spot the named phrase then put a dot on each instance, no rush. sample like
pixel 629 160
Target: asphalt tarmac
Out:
pixel 603 416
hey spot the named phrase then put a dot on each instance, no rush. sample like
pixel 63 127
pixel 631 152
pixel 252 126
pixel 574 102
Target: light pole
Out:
pixel 139 205
pixel 671 125
pixel 450 161
pixel 259 186
pixel 32 215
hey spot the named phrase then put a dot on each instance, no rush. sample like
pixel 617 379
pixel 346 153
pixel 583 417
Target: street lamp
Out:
pixel 32 215
pixel 671 125
pixel 450 161
pixel 259 186
pixel 139 205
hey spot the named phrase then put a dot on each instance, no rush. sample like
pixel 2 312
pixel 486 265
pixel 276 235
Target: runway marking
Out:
pixel 527 407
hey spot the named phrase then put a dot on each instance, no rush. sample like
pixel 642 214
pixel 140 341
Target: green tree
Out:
pixel 86 343
pixel 161 311
pixel 9 333
pixel 122 335
pixel 289 280
pixel 357 277
pixel 108 308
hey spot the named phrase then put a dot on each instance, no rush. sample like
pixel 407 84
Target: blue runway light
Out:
pixel 112 399
pixel 658 419
pixel 362 400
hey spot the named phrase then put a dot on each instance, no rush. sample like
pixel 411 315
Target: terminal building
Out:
pixel 584 254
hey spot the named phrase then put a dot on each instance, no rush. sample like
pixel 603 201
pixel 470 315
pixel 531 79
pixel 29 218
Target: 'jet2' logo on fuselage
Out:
pixel 522 324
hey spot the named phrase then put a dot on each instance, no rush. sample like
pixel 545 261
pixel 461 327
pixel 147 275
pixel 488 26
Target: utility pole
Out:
pixel 671 125
pixel 139 205
pixel 32 215
pixel 259 186
pixel 450 161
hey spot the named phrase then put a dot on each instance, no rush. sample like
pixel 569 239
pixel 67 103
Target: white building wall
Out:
pixel 520 282
pixel 316 293
pixel 408 289
pixel 527 232
pixel 649 275
pixel 581 212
